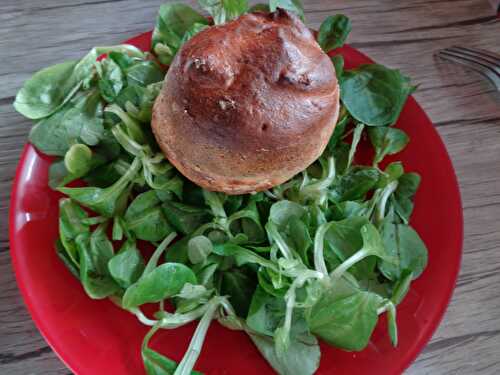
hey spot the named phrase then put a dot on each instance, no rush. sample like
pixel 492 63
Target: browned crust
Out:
pixel 247 105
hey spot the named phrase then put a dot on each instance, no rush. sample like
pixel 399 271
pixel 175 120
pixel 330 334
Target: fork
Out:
pixel 485 62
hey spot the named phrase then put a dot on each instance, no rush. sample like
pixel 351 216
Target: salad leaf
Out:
pixel 294 6
pixel 287 230
pixel 127 265
pixel 85 69
pixel 265 313
pixel 178 252
pixel 206 274
pixel 154 362
pixel 122 59
pixel 223 11
pixel 282 211
pixel 273 282
pixel 392 325
pixel 105 174
pixel 342 122
pixel 355 184
pixel 185 218
pixel 164 281
pixel 392 172
pixel 386 141
pixel 248 223
pixel 372 246
pixel 101 249
pixel 356 137
pixel 242 255
pixel 199 248
pixel 260 7
pixel 344 316
pixel 118 229
pixel 333 32
pixel 138 100
pixel 302 357
pixel 338 63
pixel 59 175
pixel 157 364
pixel 79 121
pixel 233 203
pixel 144 73
pixel 67 261
pixel 341 155
pixel 407 187
pixel 344 239
pixel 129 133
pixel 111 79
pixel 105 201
pixel 299 238
pixel 71 217
pixel 401 287
pixel 192 31
pixel 78 159
pixel 238 284
pixel 374 94
pixel 48 90
pixel 95 252
pixel 173 22
pixel 403 242
pixel 144 217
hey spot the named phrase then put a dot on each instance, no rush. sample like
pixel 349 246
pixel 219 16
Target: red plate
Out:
pixel 96 337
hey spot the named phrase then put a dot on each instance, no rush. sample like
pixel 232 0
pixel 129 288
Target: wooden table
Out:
pixel 403 34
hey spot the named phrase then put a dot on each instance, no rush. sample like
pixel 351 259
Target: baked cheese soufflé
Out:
pixel 248 104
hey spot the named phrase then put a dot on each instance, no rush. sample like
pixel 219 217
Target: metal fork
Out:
pixel 485 62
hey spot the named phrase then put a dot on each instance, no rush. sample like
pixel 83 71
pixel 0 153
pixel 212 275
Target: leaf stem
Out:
pixel 153 261
pixel 143 318
pixel 249 255
pixel 148 336
pixel 270 194
pixel 348 263
pixel 358 130
pixel 188 361
pixel 280 242
pixel 283 341
pixel 133 128
pixel 204 227
pixel 316 188
pixel 169 321
pixel 130 145
pixel 380 208
pixel 214 203
pixel 319 242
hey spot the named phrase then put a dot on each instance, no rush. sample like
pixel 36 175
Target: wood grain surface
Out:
pixel 403 34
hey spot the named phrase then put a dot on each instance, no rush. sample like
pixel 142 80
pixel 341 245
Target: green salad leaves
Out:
pixel 173 23
pixel 374 94
pixel 321 256
pixel 333 32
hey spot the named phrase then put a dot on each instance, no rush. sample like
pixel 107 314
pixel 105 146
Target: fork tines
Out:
pixel 485 62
